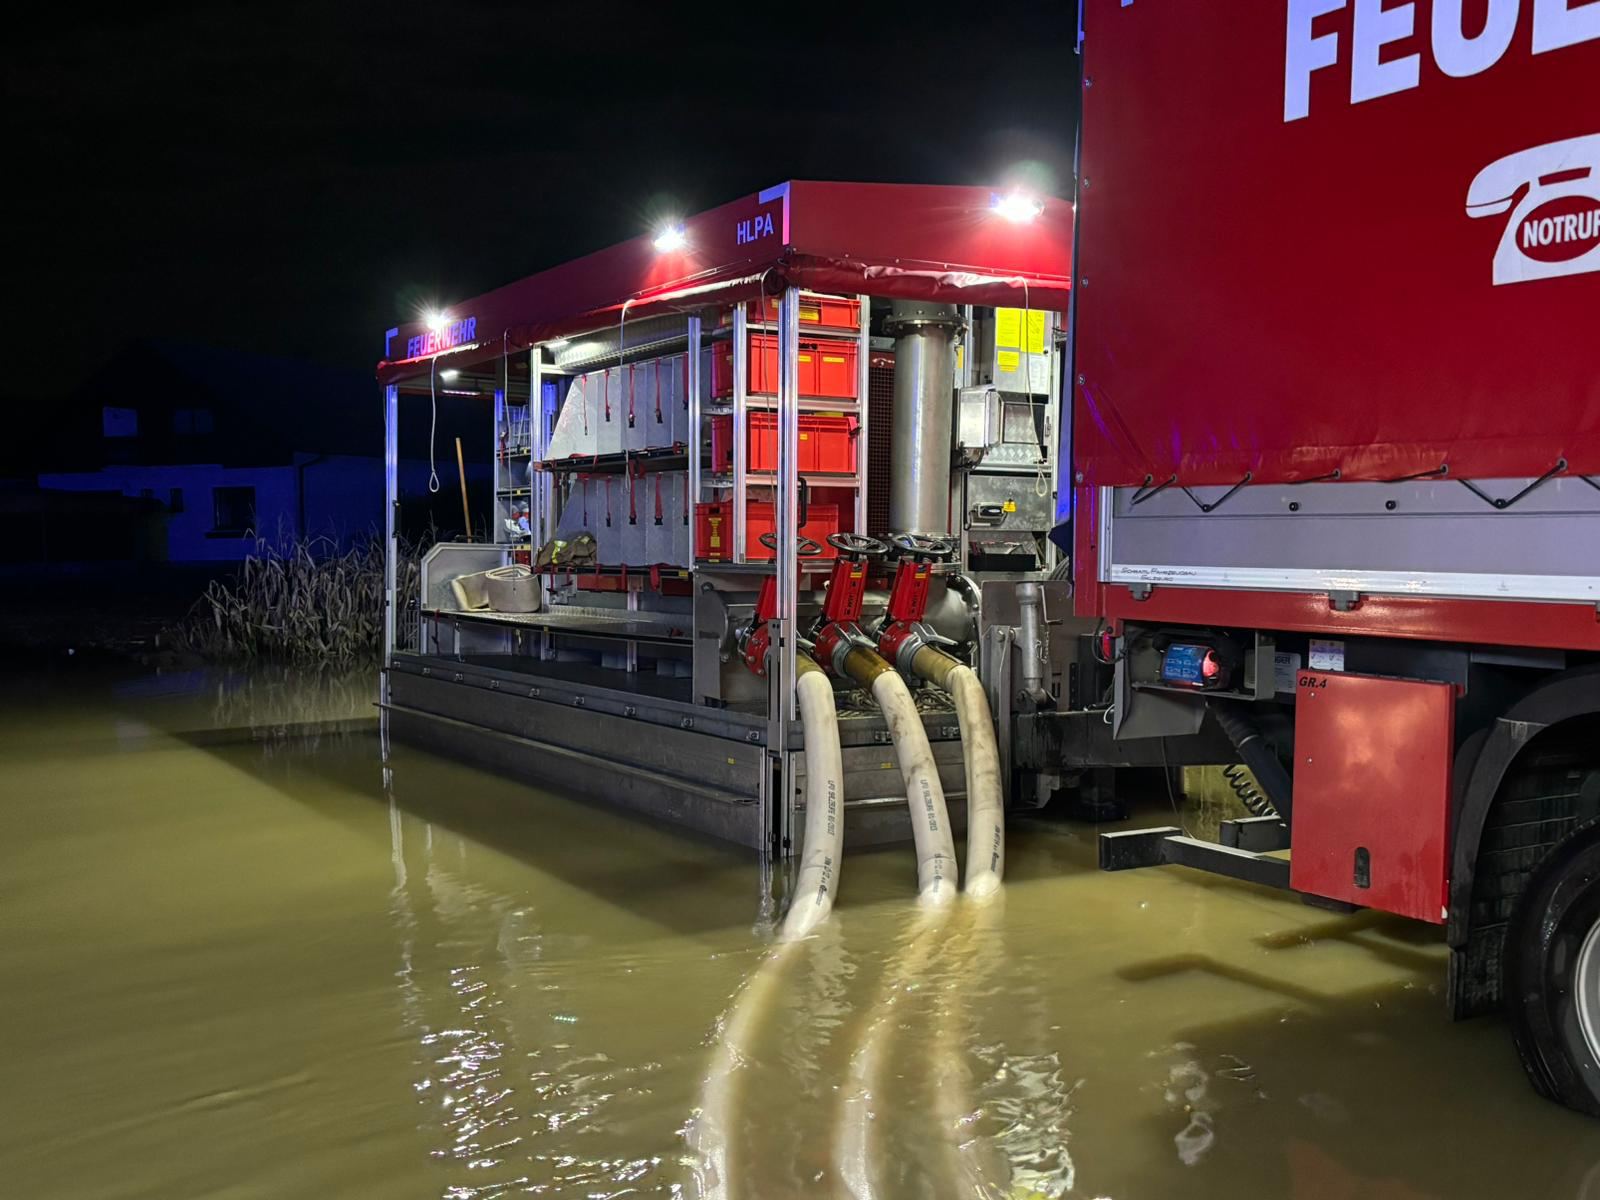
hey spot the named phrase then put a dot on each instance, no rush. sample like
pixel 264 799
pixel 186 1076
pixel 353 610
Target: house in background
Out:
pixel 219 448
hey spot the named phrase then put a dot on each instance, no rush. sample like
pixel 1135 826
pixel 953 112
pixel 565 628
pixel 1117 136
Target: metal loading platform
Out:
pixel 687 465
pixel 698 768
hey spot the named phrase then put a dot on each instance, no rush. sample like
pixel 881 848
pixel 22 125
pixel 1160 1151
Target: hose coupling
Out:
pixel 899 642
pixel 835 643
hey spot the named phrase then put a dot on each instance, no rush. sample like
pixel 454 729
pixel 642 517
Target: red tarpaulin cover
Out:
pixel 1284 280
pixel 925 242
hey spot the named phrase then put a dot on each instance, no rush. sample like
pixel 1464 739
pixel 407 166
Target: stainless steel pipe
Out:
pixel 924 399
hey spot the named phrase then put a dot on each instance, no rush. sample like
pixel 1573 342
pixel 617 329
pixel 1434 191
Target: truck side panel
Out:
pixel 1323 236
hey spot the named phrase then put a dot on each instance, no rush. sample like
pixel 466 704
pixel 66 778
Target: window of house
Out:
pixel 191 420
pixel 175 500
pixel 233 510
pixel 119 422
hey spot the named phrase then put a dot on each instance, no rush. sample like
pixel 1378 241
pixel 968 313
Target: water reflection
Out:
pixel 266 966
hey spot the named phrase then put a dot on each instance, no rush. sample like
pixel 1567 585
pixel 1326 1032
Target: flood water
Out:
pixel 238 958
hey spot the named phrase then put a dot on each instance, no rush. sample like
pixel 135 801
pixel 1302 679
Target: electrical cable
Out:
pixel 1041 484
pixel 433 423
pixel 1243 785
pixel 1172 796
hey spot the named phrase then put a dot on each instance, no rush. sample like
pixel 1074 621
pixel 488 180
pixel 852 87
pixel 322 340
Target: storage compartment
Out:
pixel 637 404
pixel 659 504
pixel 1372 791
pixel 714 529
pixel 832 443
pixel 633 519
pixel 577 428
pixel 606 518
pixel 827 443
pixel 609 398
pixel 827 367
pixel 821 312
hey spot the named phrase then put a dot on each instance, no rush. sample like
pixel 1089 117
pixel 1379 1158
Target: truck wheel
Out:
pixel 1552 975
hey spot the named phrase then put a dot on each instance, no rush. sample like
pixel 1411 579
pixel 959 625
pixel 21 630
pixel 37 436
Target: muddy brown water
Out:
pixel 240 958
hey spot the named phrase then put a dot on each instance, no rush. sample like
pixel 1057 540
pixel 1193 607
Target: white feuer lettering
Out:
pixel 1461 56
pixel 1557 24
pixel 1560 23
pixel 1304 54
pixel 1375 27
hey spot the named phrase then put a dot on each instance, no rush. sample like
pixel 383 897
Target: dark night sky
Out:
pixel 293 179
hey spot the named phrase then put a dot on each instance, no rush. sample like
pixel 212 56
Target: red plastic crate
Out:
pixel 827 443
pixel 827 367
pixel 821 312
pixel 832 438
pixel 713 529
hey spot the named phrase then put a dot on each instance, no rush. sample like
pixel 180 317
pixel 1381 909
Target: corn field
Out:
pixel 304 601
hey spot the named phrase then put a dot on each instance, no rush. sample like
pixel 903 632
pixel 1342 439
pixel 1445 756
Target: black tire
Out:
pixel 1555 915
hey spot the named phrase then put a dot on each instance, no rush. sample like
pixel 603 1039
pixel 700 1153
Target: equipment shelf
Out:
pixel 752 479
pixel 765 401
pixel 585 622
pixel 671 458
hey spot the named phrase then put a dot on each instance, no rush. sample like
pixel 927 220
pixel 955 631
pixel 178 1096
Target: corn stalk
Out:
pixel 301 601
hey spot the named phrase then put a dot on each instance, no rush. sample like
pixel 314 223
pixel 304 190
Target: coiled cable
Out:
pixel 1244 787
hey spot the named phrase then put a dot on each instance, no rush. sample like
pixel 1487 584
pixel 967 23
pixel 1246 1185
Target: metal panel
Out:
pixel 741 428
pixel 872 772
pixel 391 512
pixel 778 809
pixel 1418 538
pixel 1022 508
pixel 683 754
pixel 1372 791
pixel 1488 622
pixel 863 410
pixel 644 338
pixel 690 436
pixel 679 803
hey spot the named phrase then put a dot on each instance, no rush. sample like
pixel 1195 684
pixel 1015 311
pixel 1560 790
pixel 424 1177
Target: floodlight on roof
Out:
pixel 1017 207
pixel 671 237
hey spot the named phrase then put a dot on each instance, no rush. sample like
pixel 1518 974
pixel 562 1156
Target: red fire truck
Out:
pixel 1335 459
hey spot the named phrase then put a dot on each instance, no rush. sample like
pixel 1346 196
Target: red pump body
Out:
pixel 847 587
pixel 841 609
pixel 759 639
pixel 908 601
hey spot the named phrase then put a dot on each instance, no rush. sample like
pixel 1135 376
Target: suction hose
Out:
pixel 930 822
pixel 986 818
pixel 824 844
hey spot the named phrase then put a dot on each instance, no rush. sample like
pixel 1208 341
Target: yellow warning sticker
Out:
pixel 1008 360
pixel 1008 330
pixel 1008 327
pixel 1035 333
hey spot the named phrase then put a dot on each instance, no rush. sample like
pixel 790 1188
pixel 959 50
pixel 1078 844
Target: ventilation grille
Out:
pixel 880 440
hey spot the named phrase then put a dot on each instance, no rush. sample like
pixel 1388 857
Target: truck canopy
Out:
pixel 897 240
